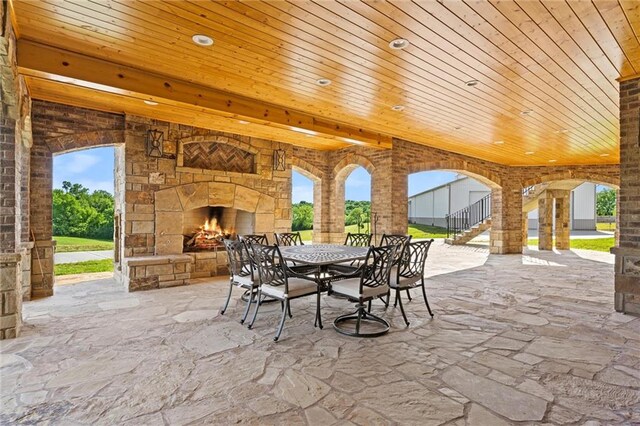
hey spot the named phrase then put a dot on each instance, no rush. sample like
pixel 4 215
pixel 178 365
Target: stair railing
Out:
pixel 469 216
pixel 528 190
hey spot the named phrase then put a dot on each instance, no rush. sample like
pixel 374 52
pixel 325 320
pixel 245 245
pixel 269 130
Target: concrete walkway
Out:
pixel 82 256
pixel 517 339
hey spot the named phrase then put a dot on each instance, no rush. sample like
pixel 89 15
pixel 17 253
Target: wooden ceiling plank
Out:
pixel 615 19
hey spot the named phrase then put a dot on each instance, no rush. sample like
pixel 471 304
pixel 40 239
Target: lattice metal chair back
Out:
pixel 240 273
pixel 410 272
pixel 249 239
pixel 370 282
pixel 277 280
pixel 358 240
pixel 289 239
pixel 400 241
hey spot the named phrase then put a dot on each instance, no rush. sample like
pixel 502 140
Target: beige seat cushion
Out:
pixel 297 287
pixel 244 281
pixel 404 282
pixel 351 288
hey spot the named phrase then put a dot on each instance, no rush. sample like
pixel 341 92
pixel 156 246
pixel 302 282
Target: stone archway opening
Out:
pixel 354 201
pixel 306 200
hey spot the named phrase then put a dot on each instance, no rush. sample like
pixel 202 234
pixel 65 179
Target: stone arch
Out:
pixel 570 174
pixel 484 175
pixel 318 178
pixel 79 141
pixel 171 203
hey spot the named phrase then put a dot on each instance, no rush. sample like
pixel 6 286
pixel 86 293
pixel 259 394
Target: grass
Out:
pixel 68 244
pixel 606 226
pixel 596 244
pixel 416 231
pixel 102 265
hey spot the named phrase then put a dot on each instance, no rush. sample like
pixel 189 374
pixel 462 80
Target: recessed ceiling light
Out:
pixel 472 83
pixel 498 142
pixel 202 40
pixel 561 131
pixel 243 122
pixel 529 153
pixel 458 127
pixel 152 103
pixel 323 82
pixel 399 44
pixel 604 155
pixel 398 107
pixel 526 112
pixel 552 161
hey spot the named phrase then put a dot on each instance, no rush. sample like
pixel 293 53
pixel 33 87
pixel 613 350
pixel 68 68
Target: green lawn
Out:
pixel 103 265
pixel 606 226
pixel 416 231
pixel 67 244
pixel 597 244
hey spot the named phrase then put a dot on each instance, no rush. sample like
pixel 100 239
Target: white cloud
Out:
pixel 302 193
pixel 77 163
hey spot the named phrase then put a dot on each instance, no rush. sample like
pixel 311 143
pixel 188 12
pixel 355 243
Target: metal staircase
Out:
pixel 469 222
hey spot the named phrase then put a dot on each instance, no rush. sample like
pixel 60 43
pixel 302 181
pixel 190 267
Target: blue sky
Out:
pixel 92 168
pixel 358 184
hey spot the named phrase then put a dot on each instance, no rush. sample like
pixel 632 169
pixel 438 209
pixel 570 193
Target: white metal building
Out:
pixel 432 206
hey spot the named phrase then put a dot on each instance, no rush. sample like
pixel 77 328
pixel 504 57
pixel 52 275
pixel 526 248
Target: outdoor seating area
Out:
pixel 301 212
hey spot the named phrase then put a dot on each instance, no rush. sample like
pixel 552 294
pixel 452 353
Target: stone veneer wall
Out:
pixel 627 268
pixel 157 191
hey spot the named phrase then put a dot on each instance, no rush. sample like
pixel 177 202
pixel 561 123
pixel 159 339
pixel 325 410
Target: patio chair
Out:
pixel 280 282
pixel 410 273
pixel 358 240
pixel 289 239
pixel 370 281
pixel 241 273
pixel 400 241
pixel 253 238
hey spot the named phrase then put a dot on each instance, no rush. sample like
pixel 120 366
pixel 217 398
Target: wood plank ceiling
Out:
pixel 546 71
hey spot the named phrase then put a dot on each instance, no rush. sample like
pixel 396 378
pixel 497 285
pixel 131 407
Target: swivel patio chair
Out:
pixel 282 283
pixel 353 240
pixel 400 241
pixel 370 281
pixel 241 274
pixel 288 239
pixel 410 273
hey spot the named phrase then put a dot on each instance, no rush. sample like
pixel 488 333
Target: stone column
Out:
pixel 627 267
pixel 616 233
pixel 545 221
pixel 562 228
pixel 506 219
pixel 525 229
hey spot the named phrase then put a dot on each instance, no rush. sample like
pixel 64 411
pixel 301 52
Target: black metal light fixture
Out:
pixel 279 160
pixel 155 139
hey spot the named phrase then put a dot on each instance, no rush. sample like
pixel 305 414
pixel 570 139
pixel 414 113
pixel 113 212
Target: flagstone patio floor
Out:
pixel 518 339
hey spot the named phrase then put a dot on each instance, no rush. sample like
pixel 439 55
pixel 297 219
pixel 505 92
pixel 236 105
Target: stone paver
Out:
pixel 521 338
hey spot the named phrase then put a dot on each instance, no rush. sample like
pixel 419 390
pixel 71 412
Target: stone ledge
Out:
pixel 157 260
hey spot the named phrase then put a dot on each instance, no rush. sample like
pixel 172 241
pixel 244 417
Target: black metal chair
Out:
pixel 400 241
pixel 241 273
pixel 370 281
pixel 289 239
pixel 254 239
pixel 358 240
pixel 410 273
pixel 280 282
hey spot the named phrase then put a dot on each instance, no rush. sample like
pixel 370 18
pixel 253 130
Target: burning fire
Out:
pixel 208 236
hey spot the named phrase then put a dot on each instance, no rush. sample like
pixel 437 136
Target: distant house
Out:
pixel 432 206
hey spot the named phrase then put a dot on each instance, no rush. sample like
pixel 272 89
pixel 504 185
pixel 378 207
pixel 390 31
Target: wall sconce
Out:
pixel 155 139
pixel 279 160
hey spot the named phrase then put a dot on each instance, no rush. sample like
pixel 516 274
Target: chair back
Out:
pixel 270 265
pixel 254 238
pixel 377 266
pixel 289 239
pixel 238 259
pixel 400 241
pixel 358 240
pixel 414 258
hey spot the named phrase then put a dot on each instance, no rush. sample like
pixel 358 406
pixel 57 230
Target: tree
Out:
pixel 606 202
pixel 79 213
pixel 356 217
pixel 302 216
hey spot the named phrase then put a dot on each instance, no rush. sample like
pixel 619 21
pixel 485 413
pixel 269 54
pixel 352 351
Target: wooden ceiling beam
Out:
pixel 39 60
